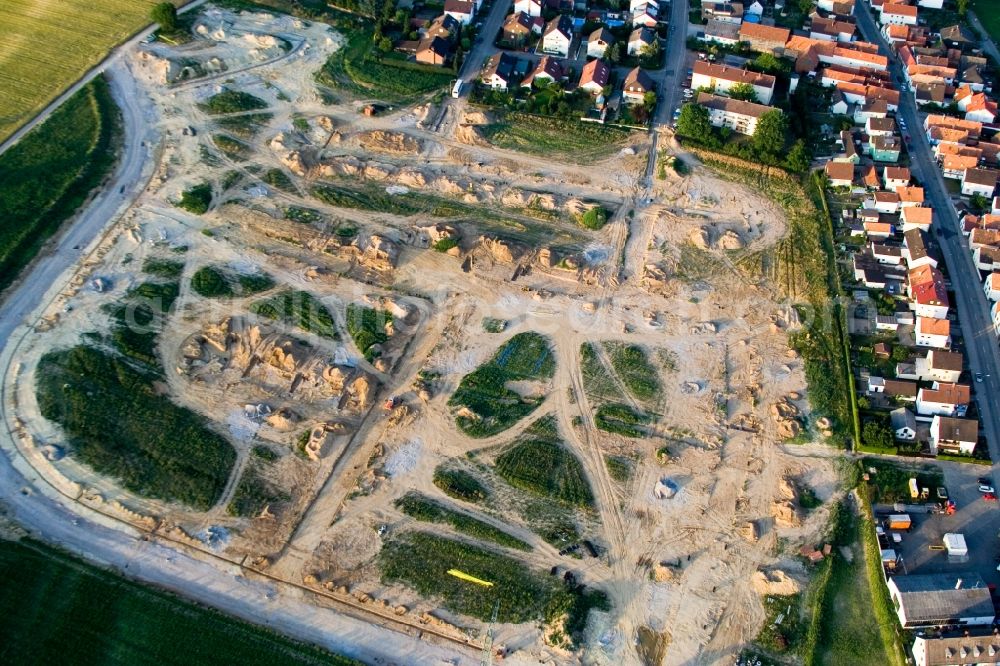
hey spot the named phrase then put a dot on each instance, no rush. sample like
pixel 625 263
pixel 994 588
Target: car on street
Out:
pixel 984 481
pixel 979 378
pixel 990 497
pixel 942 493
pixel 986 488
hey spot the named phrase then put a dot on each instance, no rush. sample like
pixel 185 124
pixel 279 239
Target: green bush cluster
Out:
pixel 595 218
pixel 460 484
pixel 219 282
pixel 634 369
pixel 164 268
pixel 548 469
pixel 232 101
pixel 196 199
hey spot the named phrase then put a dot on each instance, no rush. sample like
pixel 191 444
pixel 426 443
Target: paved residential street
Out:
pixel 972 306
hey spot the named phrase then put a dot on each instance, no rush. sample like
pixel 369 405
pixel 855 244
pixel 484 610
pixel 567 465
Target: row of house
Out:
pixel 738 115
pixel 500 73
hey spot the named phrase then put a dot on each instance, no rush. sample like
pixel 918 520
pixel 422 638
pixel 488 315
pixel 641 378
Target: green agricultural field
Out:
pixel 48 45
pixel 525 357
pixel 158 449
pixel 428 510
pixel 47 175
pixel 421 560
pixel 598 384
pixel 568 140
pixel 541 465
pixel 300 309
pixel 61 610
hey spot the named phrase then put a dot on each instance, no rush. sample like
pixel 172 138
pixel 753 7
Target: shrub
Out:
pixel 595 218
pixel 196 199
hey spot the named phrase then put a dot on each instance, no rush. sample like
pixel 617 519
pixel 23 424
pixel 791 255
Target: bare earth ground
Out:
pixel 662 275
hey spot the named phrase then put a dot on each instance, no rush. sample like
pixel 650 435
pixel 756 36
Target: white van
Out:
pixel 456 91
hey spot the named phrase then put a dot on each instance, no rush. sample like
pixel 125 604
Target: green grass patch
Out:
pixel 196 199
pixel 494 325
pixel 546 468
pixel 232 101
pixel 784 638
pixel 620 468
pixel 890 481
pixel 483 392
pixel 170 269
pixel 445 244
pixel 245 126
pixel 567 140
pixel 277 178
pixel 421 561
pixel 137 320
pixel 300 309
pixel 220 282
pixel 634 369
pixel 459 484
pixel 366 327
pixel 427 510
pixel 50 172
pixel 621 420
pixel 594 219
pixel 303 215
pixel 121 425
pixel 60 609
pixel 598 383
pixel 254 491
pixel 232 148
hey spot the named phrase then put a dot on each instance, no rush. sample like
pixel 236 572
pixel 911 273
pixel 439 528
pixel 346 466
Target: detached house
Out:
pixel 898 14
pixel 935 333
pixel 529 7
pixel 546 71
pixel 599 42
pixel 640 40
pixel 595 77
pixel 499 71
pixel 558 36
pixel 904 424
pixel 637 83
pixel 916 217
pixel 951 435
pixel 895 177
pixel 943 398
pixel 928 293
pixel 841 174
pixel 460 10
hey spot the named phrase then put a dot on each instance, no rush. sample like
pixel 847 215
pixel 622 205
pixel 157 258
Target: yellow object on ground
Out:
pixel 472 579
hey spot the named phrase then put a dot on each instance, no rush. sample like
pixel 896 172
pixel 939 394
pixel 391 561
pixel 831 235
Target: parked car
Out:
pixel 986 488
pixel 990 497
pixel 942 493
pixel 984 482
pixel 979 378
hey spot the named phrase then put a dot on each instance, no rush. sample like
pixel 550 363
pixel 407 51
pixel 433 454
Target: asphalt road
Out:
pixel 972 307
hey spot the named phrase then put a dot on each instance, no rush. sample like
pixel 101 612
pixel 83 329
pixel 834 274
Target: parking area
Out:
pixel 977 519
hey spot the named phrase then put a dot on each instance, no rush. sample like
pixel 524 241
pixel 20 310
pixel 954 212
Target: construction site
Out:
pixel 409 374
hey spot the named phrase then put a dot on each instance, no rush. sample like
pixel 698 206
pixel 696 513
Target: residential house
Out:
pixel 939 366
pixel 737 115
pixel 764 38
pixel 529 7
pixel 595 76
pixel 499 71
pixel 901 390
pixel 831 29
pixel 754 8
pixel 547 70
pixel 981 648
pixel 720 78
pixel 851 153
pixel 935 333
pixel 599 42
pixel 840 174
pixel 995 317
pixel 915 250
pixel 909 196
pixel 885 148
pixel 991 287
pixel 958 37
pixel 462 11
pixel 895 177
pixel 953 435
pixel 986 258
pixel 886 203
pixel 944 398
pixel 929 296
pixel 434 51
pixel 870 179
pixel 891 255
pixel 721 32
pixel 982 109
pixel 637 83
pixel 904 424
pixel 646 15
pixel 979 181
pixel 916 217
pixel 640 40
pixel 933 600
pixel 558 36
pixel 517 29
pixel 898 14
pixel 870 108
pixel 880 127
pixel 727 11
